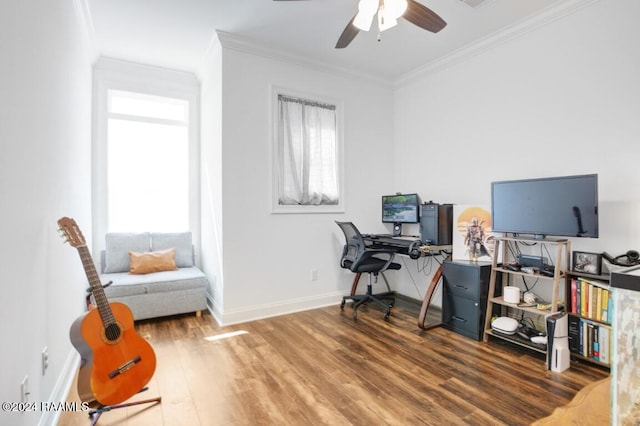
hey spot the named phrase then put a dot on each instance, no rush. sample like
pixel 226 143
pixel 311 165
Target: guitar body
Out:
pixel 116 363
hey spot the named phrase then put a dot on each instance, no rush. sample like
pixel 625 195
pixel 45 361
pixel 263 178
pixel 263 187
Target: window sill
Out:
pixel 338 208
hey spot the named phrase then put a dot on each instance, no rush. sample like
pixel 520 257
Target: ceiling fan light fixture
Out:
pixel 388 13
pixel 386 20
pixel 395 8
pixel 366 11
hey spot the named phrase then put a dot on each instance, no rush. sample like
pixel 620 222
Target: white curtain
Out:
pixel 307 153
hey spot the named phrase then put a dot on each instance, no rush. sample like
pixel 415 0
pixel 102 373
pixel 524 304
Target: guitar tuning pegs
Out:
pixel 62 235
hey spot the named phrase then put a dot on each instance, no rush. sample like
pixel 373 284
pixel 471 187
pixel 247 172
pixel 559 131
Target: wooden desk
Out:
pixel 401 246
pixel 426 302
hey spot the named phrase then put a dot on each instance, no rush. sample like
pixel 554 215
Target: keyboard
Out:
pixel 407 237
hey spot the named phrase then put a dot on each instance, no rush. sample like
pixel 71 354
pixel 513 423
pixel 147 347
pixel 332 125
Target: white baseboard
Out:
pixel 271 310
pixel 60 391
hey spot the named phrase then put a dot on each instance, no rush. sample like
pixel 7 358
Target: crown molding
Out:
pixel 114 69
pixel 548 15
pixel 245 45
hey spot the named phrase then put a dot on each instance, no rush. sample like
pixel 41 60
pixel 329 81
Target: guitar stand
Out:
pixel 95 414
pixel 90 292
pixel 90 289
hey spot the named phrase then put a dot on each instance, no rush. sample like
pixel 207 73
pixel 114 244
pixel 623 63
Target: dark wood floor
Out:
pixel 322 367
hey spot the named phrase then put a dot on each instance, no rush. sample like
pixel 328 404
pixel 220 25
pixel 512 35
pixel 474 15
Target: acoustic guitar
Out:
pixel 116 363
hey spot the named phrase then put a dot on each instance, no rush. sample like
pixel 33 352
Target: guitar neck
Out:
pixel 96 286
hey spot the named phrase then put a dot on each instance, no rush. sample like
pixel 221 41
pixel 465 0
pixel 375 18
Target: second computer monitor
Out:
pixel 399 209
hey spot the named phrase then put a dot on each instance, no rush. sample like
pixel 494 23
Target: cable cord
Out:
pixel 413 281
pixel 425 269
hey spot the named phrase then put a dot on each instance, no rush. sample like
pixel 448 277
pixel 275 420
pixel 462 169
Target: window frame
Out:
pixel 111 74
pixel 277 208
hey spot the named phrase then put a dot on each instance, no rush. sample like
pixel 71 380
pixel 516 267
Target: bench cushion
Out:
pixel 125 284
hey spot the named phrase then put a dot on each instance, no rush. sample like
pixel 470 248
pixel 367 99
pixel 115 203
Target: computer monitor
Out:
pixel 399 209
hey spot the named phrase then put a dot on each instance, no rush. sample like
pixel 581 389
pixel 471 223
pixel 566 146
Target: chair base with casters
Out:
pixel 385 300
pixel 360 257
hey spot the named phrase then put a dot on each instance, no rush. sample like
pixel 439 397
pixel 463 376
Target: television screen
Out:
pixel 401 208
pixel 556 206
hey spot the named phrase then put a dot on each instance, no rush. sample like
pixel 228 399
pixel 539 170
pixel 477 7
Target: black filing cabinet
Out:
pixel 464 296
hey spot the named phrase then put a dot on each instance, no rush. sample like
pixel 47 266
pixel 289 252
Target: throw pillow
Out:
pixel 152 261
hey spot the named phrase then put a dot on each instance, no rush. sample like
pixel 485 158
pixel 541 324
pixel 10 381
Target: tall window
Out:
pixel 145 150
pixel 308 153
pixel 147 162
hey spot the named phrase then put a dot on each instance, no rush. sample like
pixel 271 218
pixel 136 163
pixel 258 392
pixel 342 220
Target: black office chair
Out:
pixel 360 258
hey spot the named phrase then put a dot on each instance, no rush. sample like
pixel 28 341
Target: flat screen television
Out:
pixel 399 209
pixel 554 206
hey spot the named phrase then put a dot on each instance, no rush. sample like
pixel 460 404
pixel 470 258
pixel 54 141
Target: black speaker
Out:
pixel 436 224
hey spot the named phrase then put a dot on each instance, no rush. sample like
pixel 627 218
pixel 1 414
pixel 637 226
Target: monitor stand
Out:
pixel 397 229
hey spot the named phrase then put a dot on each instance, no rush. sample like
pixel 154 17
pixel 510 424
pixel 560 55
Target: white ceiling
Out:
pixel 177 33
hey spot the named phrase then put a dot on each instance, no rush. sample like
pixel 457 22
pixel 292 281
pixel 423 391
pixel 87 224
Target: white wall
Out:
pixel 45 82
pixel 211 171
pixel 267 258
pixel 560 99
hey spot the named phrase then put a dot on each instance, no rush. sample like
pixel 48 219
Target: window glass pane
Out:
pixel 147 106
pixel 307 153
pixel 148 179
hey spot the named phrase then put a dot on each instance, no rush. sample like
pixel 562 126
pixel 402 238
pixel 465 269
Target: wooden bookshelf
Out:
pixel 590 308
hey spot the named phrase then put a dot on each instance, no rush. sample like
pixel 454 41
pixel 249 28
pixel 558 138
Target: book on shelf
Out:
pixel 596 344
pixel 584 299
pixel 605 306
pixel 591 299
pixel 590 339
pixel 574 295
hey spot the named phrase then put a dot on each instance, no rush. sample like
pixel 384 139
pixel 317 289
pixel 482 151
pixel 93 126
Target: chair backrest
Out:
pixel 354 244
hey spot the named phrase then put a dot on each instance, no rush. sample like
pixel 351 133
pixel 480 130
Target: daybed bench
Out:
pixel 127 260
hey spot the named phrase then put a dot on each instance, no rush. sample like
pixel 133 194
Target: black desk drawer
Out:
pixel 468 290
pixel 466 279
pixel 464 316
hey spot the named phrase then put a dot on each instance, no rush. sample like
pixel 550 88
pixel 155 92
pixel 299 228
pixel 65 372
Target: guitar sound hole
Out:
pixel 112 332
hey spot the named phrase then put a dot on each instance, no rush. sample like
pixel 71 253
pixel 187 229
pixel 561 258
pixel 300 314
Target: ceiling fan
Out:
pixel 388 12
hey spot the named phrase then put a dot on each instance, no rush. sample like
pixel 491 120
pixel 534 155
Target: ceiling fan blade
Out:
pixel 423 17
pixel 348 34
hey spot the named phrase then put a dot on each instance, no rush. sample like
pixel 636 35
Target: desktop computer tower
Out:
pixel 436 224
pixel 558 355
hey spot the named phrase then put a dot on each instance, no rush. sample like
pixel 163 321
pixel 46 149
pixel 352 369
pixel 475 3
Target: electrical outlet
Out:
pixel 24 390
pixel 314 275
pixel 45 360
